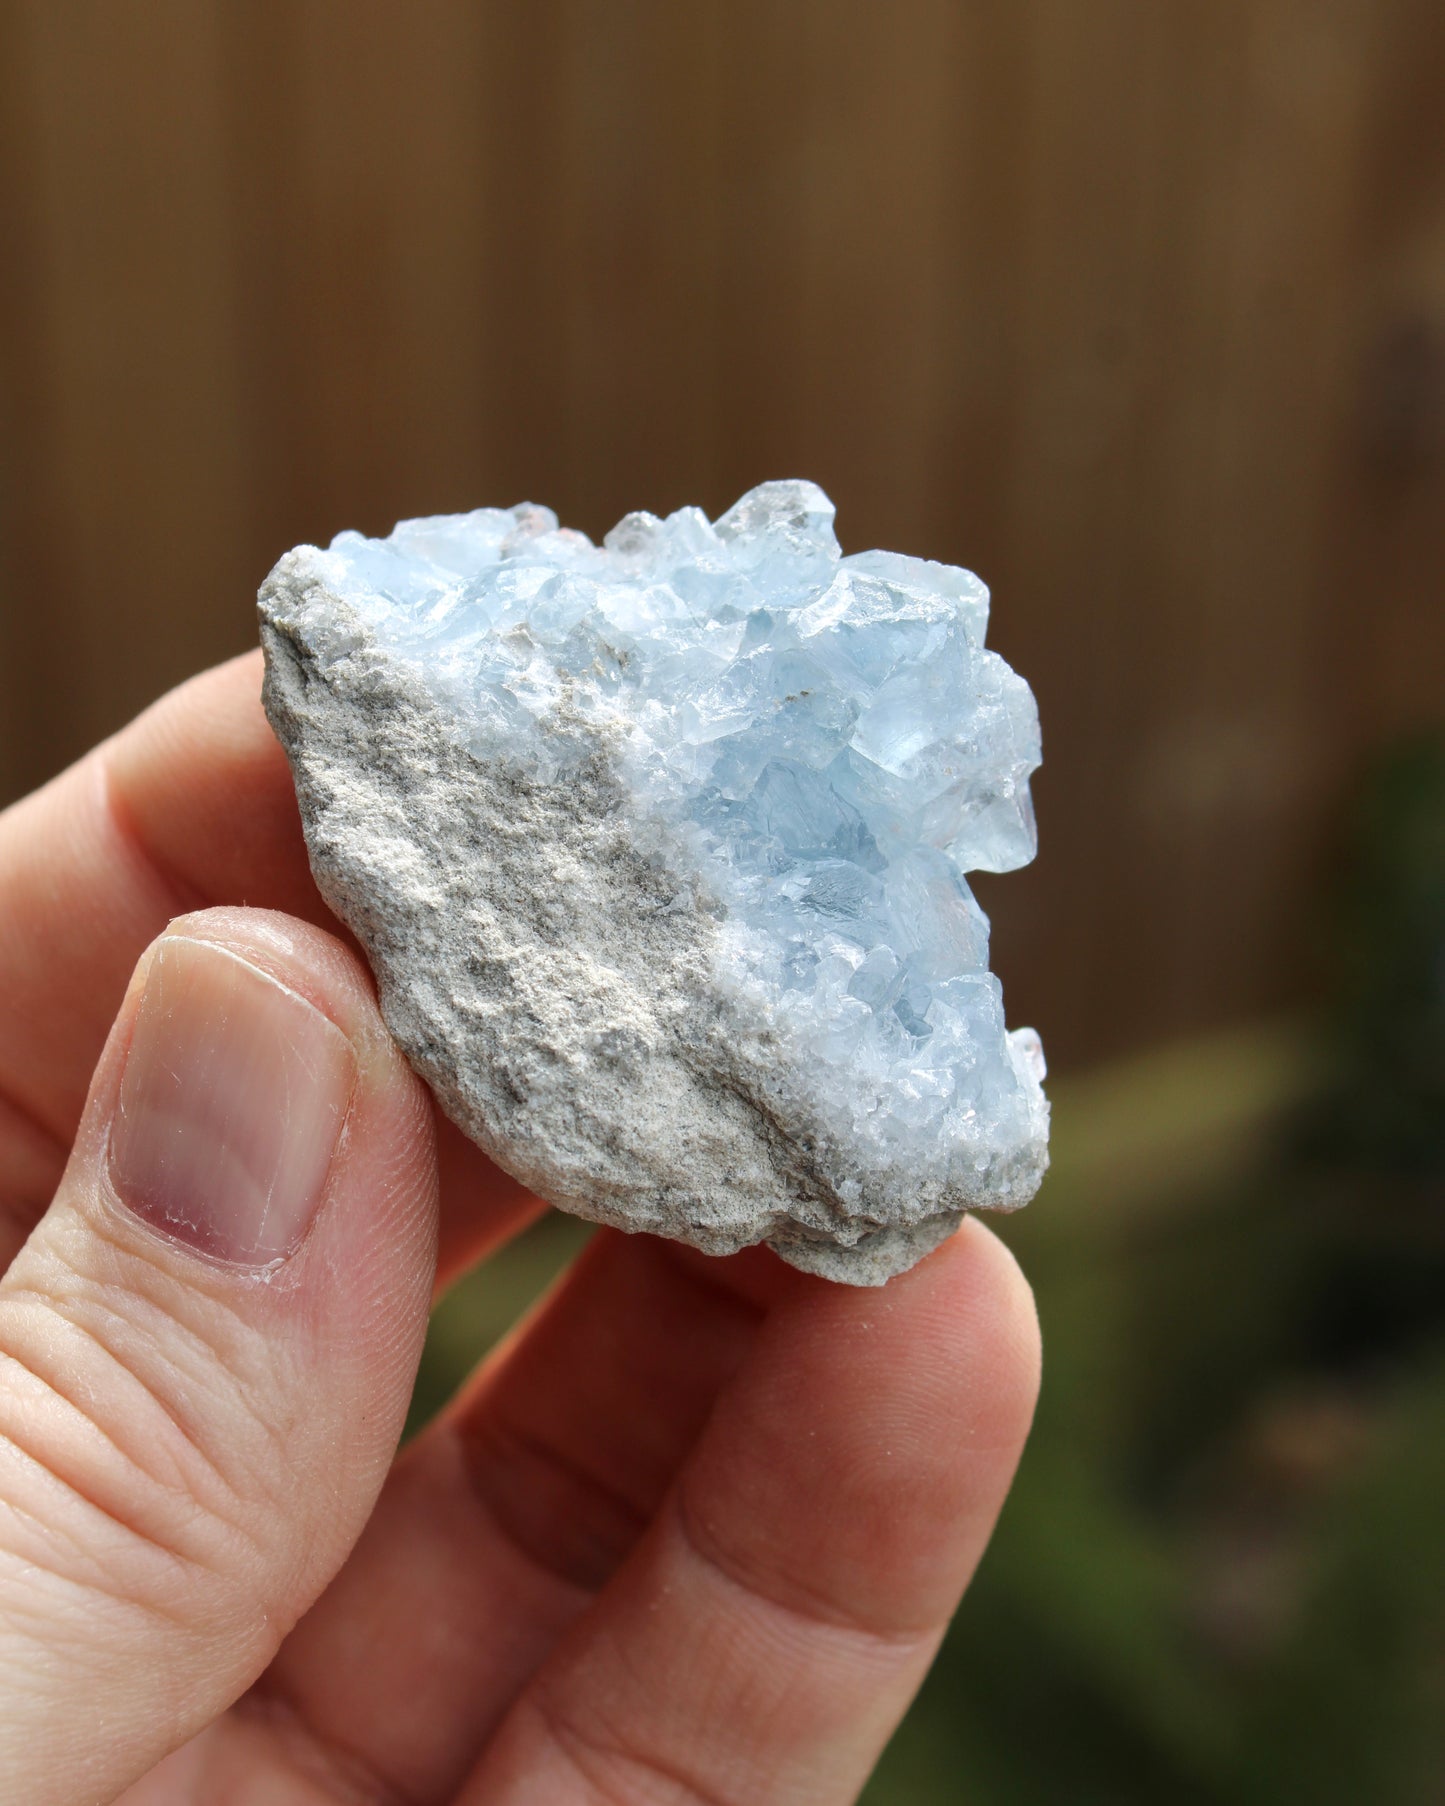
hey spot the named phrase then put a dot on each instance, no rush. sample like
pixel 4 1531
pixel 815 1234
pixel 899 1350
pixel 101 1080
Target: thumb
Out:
pixel 206 1347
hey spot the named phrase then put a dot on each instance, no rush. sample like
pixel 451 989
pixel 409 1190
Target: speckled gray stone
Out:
pixel 547 957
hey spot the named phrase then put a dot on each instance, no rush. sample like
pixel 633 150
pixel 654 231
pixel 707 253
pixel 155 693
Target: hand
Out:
pixel 692 1534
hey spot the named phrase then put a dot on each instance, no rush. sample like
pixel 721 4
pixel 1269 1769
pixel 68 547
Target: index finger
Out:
pixel 189 807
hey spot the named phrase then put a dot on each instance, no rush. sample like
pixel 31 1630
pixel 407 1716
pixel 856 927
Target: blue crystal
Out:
pixel 823 740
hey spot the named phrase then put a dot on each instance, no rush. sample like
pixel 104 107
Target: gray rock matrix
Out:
pixel 575 943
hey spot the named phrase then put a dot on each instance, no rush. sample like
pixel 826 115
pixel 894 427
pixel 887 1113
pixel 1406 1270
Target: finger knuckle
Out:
pixel 613 1771
pixel 131 1461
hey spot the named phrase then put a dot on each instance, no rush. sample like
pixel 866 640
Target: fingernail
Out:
pixel 231 1102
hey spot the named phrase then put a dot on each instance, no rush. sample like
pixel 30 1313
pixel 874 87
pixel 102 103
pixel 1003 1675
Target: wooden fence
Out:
pixel 1136 306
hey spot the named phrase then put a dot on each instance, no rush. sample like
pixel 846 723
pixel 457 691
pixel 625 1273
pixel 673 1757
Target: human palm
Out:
pixel 692 1534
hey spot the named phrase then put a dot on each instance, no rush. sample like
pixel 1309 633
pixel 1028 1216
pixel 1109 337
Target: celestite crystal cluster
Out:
pixel 659 849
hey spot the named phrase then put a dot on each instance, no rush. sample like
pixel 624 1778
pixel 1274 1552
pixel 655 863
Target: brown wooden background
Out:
pixel 1137 306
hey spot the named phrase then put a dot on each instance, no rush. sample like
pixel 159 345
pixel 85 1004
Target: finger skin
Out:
pixel 768 1633
pixel 190 806
pixel 838 1544
pixel 510 1512
pixel 188 1448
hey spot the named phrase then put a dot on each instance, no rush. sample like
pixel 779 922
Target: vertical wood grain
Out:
pixel 1387 541
pixel 357 132
pixel 131 380
pixel 1139 310
pixel 30 532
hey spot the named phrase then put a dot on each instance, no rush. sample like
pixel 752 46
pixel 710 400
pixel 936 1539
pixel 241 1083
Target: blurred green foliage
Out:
pixel 1221 1575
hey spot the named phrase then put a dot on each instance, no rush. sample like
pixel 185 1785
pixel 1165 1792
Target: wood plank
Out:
pixel 133 390
pixel 1139 310
pixel 1387 544
pixel 357 146
pixel 31 712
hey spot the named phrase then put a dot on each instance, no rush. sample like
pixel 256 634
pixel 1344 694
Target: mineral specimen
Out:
pixel 657 850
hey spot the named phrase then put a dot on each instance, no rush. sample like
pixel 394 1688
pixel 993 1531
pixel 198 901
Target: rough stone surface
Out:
pixel 657 851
